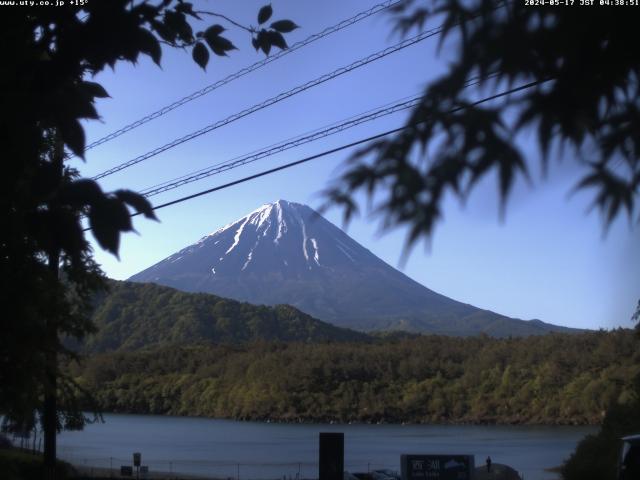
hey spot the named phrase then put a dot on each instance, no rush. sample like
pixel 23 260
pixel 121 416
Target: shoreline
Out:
pixel 207 446
pixel 387 421
pixel 103 472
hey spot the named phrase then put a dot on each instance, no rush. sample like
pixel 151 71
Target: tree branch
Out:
pixel 233 22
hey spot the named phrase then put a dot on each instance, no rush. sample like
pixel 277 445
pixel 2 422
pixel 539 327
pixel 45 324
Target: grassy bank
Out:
pixel 17 464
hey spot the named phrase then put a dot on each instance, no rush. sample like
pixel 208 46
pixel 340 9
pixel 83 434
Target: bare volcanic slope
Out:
pixel 286 253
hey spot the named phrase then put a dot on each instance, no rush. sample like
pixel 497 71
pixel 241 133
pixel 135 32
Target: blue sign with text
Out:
pixel 437 467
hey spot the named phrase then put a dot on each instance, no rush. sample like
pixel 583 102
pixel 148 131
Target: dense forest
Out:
pixel 596 456
pixel 130 316
pixel 551 379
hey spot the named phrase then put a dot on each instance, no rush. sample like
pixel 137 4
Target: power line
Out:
pixel 337 149
pixel 273 145
pixel 250 158
pixel 323 132
pixel 278 98
pixel 274 170
pixel 244 71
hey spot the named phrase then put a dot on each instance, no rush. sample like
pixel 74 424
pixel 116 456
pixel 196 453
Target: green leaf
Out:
pixel 185 7
pixel 95 89
pixel 149 44
pixel 276 39
pixel 108 237
pixel 73 136
pixel 214 30
pixel 177 23
pixel 263 41
pixel 107 219
pixel 265 14
pixel 166 33
pixel 219 45
pixel 80 193
pixel 284 26
pixel 75 101
pixel 137 201
pixel 200 55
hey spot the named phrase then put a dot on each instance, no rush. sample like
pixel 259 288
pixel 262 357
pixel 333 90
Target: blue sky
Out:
pixel 547 258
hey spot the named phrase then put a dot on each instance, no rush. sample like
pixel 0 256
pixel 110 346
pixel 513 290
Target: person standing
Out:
pixel 488 464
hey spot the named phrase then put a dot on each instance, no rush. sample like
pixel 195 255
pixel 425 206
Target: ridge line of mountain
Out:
pixel 287 253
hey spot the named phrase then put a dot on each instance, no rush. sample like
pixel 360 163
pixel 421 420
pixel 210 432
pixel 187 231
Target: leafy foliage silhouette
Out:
pixel 585 65
pixel 596 456
pixel 48 55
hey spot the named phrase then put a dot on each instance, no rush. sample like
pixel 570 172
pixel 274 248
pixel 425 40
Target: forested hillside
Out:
pixel 287 253
pixel 135 315
pixel 556 378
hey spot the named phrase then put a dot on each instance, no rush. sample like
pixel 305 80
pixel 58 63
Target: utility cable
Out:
pixel 278 98
pixel 270 146
pixel 250 158
pixel 323 132
pixel 337 149
pixel 246 70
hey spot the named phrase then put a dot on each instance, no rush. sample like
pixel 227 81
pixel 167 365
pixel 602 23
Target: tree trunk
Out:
pixel 49 411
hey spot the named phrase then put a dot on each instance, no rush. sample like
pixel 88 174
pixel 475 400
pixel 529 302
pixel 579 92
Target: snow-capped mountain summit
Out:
pixel 286 253
pixel 282 235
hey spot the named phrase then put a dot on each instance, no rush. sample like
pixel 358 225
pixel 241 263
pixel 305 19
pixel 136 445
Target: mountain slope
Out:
pixel 286 253
pixel 131 316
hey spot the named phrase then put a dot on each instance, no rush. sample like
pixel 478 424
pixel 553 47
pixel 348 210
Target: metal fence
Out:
pixel 101 467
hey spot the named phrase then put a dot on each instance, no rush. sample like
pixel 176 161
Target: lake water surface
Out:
pixel 252 450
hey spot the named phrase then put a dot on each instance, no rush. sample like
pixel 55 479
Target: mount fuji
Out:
pixel 286 253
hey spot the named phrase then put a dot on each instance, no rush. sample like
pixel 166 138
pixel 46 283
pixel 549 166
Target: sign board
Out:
pixel 437 467
pixel 331 456
pixel 136 459
pixel 126 471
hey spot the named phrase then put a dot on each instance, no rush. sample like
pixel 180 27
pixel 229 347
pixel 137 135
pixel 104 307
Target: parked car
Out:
pixel 348 476
pixel 378 475
pixel 629 463
pixel 362 475
pixel 390 474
